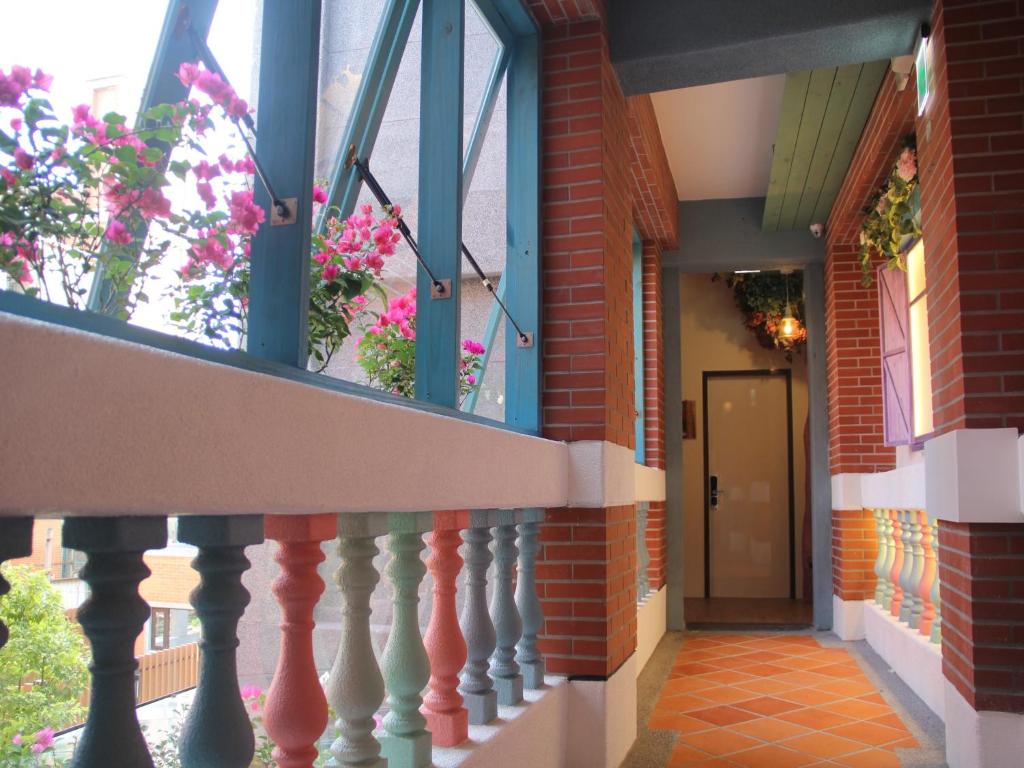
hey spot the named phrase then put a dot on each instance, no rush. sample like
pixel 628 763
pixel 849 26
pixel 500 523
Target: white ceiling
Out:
pixel 719 137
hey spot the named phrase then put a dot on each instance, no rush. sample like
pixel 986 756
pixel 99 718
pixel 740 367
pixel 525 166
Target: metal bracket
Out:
pixel 442 291
pixel 526 343
pixel 350 156
pixel 279 218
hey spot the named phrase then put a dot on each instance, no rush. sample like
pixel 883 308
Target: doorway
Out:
pixel 749 513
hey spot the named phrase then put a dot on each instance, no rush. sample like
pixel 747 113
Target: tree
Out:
pixel 43 667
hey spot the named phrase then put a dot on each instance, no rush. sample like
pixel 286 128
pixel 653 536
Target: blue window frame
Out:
pixel 638 344
pixel 286 133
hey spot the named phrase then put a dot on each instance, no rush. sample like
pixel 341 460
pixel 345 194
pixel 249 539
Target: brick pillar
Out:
pixel 981 572
pixel 586 571
pixel 971 166
pixel 654 405
pixel 854 550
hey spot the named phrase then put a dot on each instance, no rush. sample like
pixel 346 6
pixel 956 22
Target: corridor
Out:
pixel 778 700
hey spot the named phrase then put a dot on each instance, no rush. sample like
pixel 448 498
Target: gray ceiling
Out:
pixel 657 45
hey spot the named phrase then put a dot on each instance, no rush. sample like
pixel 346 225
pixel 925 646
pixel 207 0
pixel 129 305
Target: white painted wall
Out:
pixel 651 615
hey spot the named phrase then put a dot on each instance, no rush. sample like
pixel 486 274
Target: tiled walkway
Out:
pixel 774 700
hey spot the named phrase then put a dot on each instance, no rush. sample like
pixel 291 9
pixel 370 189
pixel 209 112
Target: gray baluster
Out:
pixel 907 572
pixel 508 627
pixel 356 688
pixel 917 570
pixel 643 557
pixel 527 656
pixel 15 541
pixel 478 694
pixel 881 572
pixel 891 532
pixel 405 665
pixel 936 633
pixel 217 732
pixel 112 618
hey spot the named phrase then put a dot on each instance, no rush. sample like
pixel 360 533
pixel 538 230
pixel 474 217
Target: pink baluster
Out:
pixel 928 575
pixel 295 714
pixel 897 562
pixel 447 718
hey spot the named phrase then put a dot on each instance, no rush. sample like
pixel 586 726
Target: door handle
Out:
pixel 713 486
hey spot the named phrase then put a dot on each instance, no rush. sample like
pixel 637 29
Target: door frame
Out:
pixel 787 374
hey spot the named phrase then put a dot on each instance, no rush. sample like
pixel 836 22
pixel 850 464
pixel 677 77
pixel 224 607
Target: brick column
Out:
pixel 981 572
pixel 854 550
pixel 971 165
pixel 586 572
pixel 654 405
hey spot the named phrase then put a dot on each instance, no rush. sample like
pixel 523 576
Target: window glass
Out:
pixel 920 349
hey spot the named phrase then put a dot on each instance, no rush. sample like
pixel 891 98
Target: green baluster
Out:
pixel 405 743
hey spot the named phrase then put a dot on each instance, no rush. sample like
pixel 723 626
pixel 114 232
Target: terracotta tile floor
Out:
pixel 775 701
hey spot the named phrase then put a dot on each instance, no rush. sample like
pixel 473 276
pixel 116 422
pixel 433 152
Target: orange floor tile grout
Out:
pixel 775 701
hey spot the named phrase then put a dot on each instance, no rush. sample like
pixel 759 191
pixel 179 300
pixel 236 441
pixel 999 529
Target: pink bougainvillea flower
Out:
pixel 41 80
pixel 44 740
pixel 214 86
pixel 473 347
pixel 331 272
pixel 118 233
pixel 16 123
pixel 319 196
pixel 23 159
pixel 204 171
pixel 246 216
pixel 9 177
pixel 188 72
pixel 16 740
pixel 206 194
pixel 251 691
pixel 352 263
pixel 471 379
pixel 906 166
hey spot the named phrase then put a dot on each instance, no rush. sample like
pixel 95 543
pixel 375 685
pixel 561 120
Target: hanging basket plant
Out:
pixel 772 307
pixel 891 220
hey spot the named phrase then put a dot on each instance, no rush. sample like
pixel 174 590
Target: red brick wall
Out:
pixel 981 571
pixel 854 549
pixel 971 144
pixel 851 311
pixel 587 232
pixel 654 406
pixel 655 199
pixel 603 169
pixel 586 580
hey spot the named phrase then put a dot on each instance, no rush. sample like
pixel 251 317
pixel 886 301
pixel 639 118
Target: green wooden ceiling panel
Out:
pixel 836 114
pixel 818 93
pixel 823 114
pixel 870 79
pixel 793 97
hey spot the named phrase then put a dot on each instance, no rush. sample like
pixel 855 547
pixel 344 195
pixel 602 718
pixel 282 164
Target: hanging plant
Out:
pixel 766 299
pixel 891 219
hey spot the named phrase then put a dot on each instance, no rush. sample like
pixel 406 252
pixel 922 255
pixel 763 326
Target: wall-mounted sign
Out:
pixel 921 69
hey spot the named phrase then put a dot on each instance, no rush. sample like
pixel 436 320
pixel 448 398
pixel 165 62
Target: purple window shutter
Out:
pixel 897 389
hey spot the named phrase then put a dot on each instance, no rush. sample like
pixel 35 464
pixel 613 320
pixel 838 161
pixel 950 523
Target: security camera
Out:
pixel 817 229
